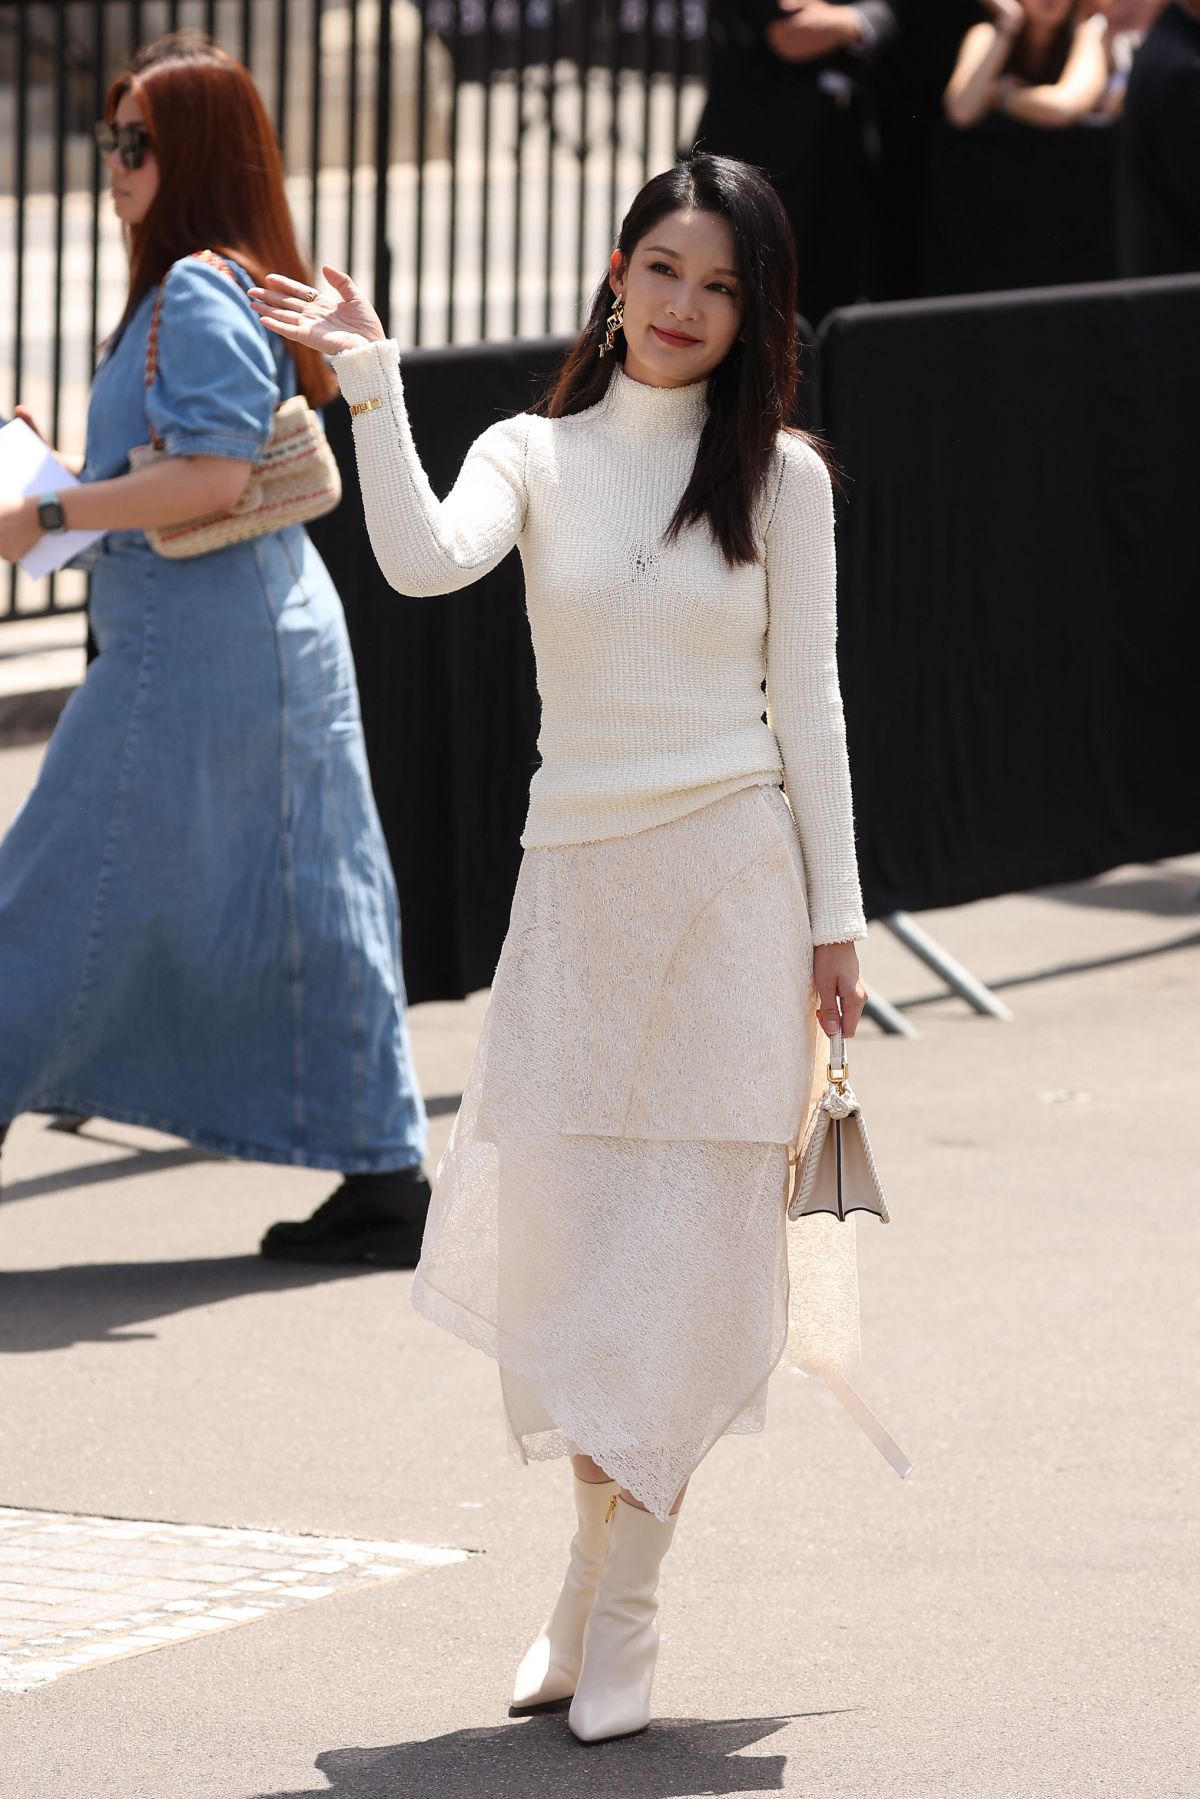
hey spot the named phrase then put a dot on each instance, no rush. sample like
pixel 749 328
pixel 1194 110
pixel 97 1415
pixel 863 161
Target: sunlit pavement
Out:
pixel 1019 1618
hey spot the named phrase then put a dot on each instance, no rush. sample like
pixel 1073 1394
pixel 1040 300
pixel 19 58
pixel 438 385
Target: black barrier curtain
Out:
pixel 449 697
pixel 1018 553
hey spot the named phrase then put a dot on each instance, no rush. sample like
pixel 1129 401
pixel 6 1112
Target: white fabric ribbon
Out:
pixel 867 1422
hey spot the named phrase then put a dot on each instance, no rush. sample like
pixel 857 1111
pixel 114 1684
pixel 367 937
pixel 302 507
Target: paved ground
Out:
pixel 41 663
pixel 1019 1619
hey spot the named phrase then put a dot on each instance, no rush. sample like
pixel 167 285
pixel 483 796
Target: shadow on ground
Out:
pixel 51 1308
pixel 1059 970
pixel 95 1174
pixel 1164 893
pixel 540 1759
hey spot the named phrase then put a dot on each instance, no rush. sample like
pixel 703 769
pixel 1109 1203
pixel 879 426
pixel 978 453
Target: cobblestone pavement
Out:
pixel 77 1591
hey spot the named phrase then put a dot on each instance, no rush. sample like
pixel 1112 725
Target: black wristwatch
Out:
pixel 50 513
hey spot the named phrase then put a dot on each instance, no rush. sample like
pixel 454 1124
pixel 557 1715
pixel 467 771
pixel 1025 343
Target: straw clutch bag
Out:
pixel 296 480
pixel 833 1169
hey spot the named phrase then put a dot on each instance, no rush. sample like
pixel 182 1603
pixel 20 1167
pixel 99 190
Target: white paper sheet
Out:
pixel 27 466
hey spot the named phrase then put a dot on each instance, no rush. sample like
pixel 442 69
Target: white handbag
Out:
pixel 833 1169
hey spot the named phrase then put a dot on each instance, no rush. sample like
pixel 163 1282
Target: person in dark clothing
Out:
pixel 1158 191
pixel 788 92
pixel 908 81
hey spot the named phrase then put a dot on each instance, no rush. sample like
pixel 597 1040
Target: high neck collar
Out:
pixel 637 407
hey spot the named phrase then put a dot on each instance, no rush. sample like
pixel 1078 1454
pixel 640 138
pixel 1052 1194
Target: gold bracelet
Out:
pixel 365 406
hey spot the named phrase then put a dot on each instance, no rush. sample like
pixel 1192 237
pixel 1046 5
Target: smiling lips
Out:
pixel 678 340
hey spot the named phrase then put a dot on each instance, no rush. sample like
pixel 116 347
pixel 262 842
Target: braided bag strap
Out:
pixel 214 261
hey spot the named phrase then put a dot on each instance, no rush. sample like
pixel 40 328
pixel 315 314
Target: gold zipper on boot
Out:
pixel 612 1506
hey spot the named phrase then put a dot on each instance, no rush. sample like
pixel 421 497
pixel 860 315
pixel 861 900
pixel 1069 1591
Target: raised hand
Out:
pixel 300 313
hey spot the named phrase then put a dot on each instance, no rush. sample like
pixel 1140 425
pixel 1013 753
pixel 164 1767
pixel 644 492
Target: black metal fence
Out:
pixel 467 160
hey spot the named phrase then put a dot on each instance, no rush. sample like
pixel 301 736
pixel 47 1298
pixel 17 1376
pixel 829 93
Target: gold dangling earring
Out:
pixel 613 325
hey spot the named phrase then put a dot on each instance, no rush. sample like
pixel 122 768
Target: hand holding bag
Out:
pixel 833 1169
pixel 296 480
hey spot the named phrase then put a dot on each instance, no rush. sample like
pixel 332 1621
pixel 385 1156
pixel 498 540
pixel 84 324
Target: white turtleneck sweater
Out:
pixel 650 656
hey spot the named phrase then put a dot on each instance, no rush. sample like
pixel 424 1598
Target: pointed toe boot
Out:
pixel 550 1666
pixel 620 1644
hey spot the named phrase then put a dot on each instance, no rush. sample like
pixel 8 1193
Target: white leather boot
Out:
pixel 550 1666
pixel 620 1644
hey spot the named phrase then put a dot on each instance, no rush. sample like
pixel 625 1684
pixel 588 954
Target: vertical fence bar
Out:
pixel 583 48
pixel 135 27
pixel 21 168
pixel 210 18
pixel 21 165
pixel 383 155
pixel 351 136
pixel 60 201
pixel 551 146
pixel 614 123
pixel 519 164
pixel 419 152
pixel 452 221
pixel 99 92
pixel 247 34
pixel 282 23
pixel 677 78
pixel 173 15
pixel 647 68
pixel 314 140
pixel 485 174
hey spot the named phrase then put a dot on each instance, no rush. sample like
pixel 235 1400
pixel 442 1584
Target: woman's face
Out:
pixel 683 306
pixel 133 190
pixel 1052 13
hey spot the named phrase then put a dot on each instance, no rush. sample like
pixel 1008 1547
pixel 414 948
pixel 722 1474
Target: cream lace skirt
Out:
pixel 608 1217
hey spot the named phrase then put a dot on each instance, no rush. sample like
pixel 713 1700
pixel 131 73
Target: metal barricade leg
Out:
pixel 890 1020
pixel 959 979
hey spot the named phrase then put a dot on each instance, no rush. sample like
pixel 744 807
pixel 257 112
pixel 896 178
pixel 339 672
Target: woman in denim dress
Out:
pixel 198 921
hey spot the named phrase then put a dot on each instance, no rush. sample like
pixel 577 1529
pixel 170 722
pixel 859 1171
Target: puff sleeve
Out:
pixel 216 388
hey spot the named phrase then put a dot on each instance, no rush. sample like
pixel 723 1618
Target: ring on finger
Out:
pixel 312 296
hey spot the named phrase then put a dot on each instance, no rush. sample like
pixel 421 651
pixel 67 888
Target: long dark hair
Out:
pixel 752 393
pixel 220 177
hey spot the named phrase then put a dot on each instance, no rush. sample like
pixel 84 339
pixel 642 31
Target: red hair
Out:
pixel 220 177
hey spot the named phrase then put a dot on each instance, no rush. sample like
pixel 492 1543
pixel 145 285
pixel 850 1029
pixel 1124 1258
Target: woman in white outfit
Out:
pixel 608 1218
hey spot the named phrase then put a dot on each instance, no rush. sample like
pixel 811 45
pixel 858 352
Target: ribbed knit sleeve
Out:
pixel 803 697
pixel 425 545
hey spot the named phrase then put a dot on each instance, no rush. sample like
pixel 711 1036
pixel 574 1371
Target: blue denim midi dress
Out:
pixel 198 922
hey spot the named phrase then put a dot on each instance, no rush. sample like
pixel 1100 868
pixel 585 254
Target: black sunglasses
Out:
pixel 129 141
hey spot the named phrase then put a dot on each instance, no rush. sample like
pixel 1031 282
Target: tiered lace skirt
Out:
pixel 608 1219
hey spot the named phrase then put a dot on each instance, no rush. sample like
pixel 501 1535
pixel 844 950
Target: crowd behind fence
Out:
pixel 469 162
pixel 475 193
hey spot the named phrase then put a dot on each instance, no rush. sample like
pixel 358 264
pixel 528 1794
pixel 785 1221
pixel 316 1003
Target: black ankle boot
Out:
pixel 370 1218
